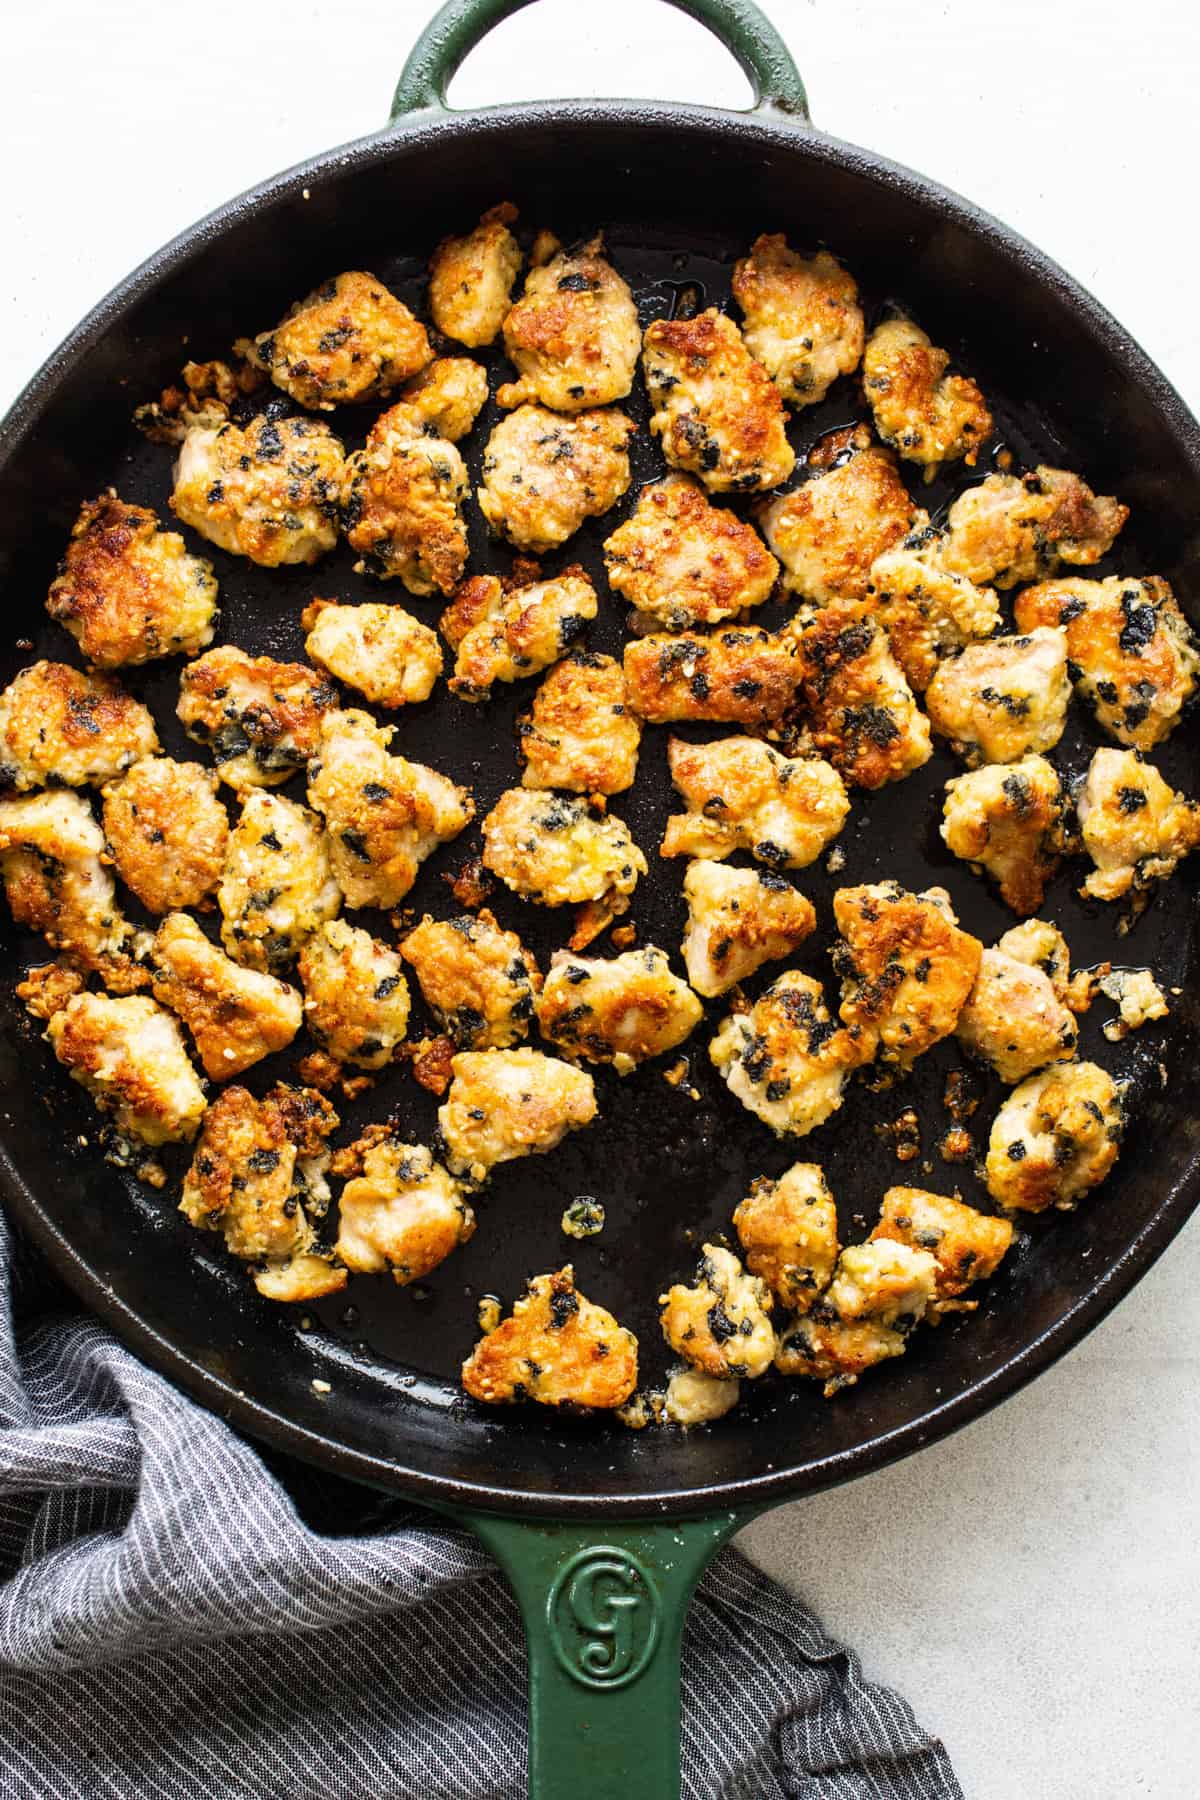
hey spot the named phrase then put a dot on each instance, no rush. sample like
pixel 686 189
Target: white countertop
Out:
pixel 1031 1585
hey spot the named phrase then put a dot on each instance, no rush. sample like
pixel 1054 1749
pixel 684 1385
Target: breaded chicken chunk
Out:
pixel 236 1016
pixel 717 412
pixel 829 532
pixel 1132 653
pixel 128 592
pixel 349 340
pixel 401 505
pixel 167 832
pixel 401 1211
pixel 277 887
pixel 1007 819
pixel 573 335
pixel 500 634
pixel 1003 699
pixel 1015 528
pixel 1135 827
pixel 1042 945
pixel 693 1398
pixel 551 848
pixel 479 980
pixel 260 718
pixel 862 714
pixel 929 417
pixel 742 794
pixel 444 400
pixel 505 1104
pixel 544 474
pixel 471 278
pixel 355 996
pixel 62 728
pixel 789 1234
pixel 737 921
pixel 129 1055
pixel 905 965
pixel 880 1292
pixel 1014 1020
pixel 580 733
pixel 269 491
pixel 928 613
pixel 621 1009
pixel 740 675
pixel 786 1060
pixel 837 1351
pixel 967 1245
pixel 1055 1138
pixel 722 1324
pixel 801 317
pixel 53 865
pixel 380 650
pixel 383 814
pixel 258 1177
pixel 681 561
pixel 557 1348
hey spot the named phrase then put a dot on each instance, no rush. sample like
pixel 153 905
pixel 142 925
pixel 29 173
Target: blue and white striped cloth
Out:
pixel 184 1617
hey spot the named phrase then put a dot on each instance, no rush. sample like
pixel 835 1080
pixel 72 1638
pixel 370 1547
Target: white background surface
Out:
pixel 1031 1585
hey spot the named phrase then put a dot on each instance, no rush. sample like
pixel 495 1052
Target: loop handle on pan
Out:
pixel 740 25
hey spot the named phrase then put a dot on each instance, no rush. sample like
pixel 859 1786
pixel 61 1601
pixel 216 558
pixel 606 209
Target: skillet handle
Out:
pixel 604 1607
pixel 741 26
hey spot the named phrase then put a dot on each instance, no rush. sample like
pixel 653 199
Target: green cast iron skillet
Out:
pixel 604 1532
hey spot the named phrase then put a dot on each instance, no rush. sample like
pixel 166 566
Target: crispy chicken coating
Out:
pixel 580 733
pixel 167 832
pixel 905 965
pixel 742 794
pixel 380 650
pixel 1139 998
pixel 1132 653
pixel 681 561
pixel 789 1234
pixel 836 1351
pixel 277 887
pixel 622 1010
pixel 1015 528
pixel 128 592
pixel 928 612
pixel 722 1324
pixel 261 718
pixel 401 500
pixel 355 996
pixel 268 492
pixel 63 728
pixel 1014 1020
pixel 716 410
pixel 1055 1138
pixel 929 417
pixel 1003 699
pixel 740 675
pixel 573 335
pixel 53 865
pixel 696 1399
pixel 129 1055
pixel 801 317
pixel 236 1016
pixel 829 532
pixel 1007 819
pixel 402 1211
pixel 443 401
pixel 544 474
pixel 471 278
pixel 861 711
pixel 1042 945
pixel 505 1104
pixel 880 1292
pixel 48 986
pixel 737 921
pixel 478 979
pixel 348 340
pixel 551 848
pixel 504 635
pixel 557 1348
pixel 967 1245
pixel 1135 827
pixel 383 814
pixel 786 1060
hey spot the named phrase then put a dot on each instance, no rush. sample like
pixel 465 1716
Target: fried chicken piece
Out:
pixel 236 1016
pixel 268 491
pixel 1135 827
pixel 1042 946
pixel 879 1294
pixel 504 635
pixel 1004 699
pixel 471 278
pixel 573 335
pixel 53 865
pixel 349 340
pixel 681 561
pixel 788 1231
pixel 443 401
pixel 1055 1138
pixel 623 1010
pixel 742 794
pixel 829 532
pixel 478 980
pixel 967 1245
pixel 381 650
pixel 580 733
pixel 47 988
pixel 715 409
pixel 260 718
pixel 62 728
pixel 1007 819
pixel 1132 653
pixel 127 591
pixel 401 504
pixel 505 1104
pixel 558 1348
pixel 1016 528
pixel 928 613
pixel 785 1059
pixel 1014 1019
pixel 544 474
pixel 721 1325
pixel 693 1398
pixel 550 848
pixel 167 832
pixel 737 921
pixel 383 814
pixel 929 417
pixel 905 965
pixel 801 317
pixel 861 711
pixel 277 887
pixel 740 675
pixel 401 1212
pixel 356 1000
pixel 129 1055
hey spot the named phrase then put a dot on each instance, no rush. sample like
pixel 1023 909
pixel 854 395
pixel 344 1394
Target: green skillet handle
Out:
pixel 604 1607
pixel 455 30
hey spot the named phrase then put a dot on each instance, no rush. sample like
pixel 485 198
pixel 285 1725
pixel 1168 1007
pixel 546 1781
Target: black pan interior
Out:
pixel 679 198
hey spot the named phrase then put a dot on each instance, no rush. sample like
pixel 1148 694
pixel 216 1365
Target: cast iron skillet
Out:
pixel 604 1532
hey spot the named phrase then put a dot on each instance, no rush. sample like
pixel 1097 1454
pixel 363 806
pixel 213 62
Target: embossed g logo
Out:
pixel 603 1617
